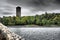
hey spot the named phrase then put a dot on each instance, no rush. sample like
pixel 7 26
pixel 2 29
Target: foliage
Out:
pixel 44 19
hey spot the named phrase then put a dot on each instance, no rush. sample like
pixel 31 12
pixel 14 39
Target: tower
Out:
pixel 18 11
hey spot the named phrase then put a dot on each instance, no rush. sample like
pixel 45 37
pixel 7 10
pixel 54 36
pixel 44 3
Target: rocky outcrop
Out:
pixel 6 34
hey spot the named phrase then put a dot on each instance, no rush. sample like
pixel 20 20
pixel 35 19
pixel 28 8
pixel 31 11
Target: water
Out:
pixel 38 33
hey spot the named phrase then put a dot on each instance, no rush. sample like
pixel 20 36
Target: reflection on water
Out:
pixel 38 33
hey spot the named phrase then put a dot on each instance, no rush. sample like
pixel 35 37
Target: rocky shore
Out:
pixel 6 34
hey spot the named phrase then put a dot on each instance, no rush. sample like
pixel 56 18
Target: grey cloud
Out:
pixel 57 1
pixel 6 13
pixel 30 2
pixel 37 5
pixel 8 6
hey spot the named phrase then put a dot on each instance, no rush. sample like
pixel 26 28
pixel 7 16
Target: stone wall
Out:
pixel 6 34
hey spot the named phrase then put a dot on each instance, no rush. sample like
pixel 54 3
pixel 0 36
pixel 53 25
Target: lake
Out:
pixel 37 33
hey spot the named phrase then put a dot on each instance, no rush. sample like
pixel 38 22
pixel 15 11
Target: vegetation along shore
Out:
pixel 41 20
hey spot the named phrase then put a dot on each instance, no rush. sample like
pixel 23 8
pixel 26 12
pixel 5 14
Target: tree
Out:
pixel 17 20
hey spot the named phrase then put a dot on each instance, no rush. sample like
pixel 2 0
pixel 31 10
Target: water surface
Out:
pixel 38 33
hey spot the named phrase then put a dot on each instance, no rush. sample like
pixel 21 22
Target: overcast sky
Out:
pixel 29 7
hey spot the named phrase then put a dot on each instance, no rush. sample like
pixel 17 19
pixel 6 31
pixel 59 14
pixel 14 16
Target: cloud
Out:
pixel 6 8
pixel 57 1
pixel 7 13
pixel 29 7
pixel 37 4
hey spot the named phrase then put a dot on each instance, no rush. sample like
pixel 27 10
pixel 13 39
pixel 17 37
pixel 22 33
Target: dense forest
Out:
pixel 41 20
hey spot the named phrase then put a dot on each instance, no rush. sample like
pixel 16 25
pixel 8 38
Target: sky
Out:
pixel 29 7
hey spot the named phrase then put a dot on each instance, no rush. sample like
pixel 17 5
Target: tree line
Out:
pixel 42 20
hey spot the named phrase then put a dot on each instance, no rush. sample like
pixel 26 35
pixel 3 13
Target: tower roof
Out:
pixel 18 6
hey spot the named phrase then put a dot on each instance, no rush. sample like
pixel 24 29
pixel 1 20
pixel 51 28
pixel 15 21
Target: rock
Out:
pixel 6 34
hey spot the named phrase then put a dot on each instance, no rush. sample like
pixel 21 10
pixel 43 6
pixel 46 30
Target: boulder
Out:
pixel 6 34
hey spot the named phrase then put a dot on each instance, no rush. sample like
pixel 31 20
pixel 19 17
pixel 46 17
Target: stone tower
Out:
pixel 18 11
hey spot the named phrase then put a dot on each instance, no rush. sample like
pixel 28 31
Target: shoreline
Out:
pixel 32 26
